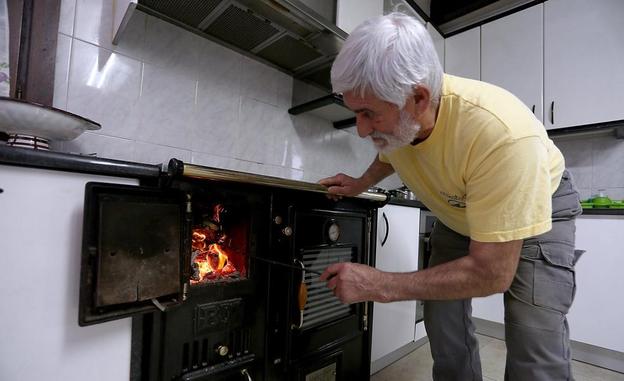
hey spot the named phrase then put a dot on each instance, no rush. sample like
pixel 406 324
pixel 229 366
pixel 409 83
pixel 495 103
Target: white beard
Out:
pixel 404 133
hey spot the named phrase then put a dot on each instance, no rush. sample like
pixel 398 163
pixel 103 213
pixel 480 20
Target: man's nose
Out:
pixel 364 126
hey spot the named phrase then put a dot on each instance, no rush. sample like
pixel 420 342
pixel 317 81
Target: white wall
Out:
pixel 164 92
pixel 595 163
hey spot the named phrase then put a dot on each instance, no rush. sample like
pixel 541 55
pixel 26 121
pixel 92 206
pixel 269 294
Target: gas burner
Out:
pixel 28 141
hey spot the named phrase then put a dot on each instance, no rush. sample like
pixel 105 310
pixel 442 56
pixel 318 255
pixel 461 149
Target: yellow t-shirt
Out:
pixel 488 169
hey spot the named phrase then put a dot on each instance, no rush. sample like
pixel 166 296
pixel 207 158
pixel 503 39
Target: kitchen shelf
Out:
pixel 330 107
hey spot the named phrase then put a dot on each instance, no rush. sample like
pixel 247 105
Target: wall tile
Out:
pixel 390 182
pixel 219 71
pixel 61 71
pixel 166 107
pixel 216 128
pixel 158 154
pixel 103 146
pixel 260 82
pixel 283 89
pixel 585 193
pixel 104 86
pixel 317 151
pixel 260 140
pixel 214 161
pixel 94 24
pixel 613 193
pixel 131 40
pixel 171 47
pixel 578 159
pixel 283 172
pixel 67 16
pixel 608 159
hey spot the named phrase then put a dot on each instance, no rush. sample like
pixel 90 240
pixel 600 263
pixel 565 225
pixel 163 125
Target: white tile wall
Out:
pixel 596 163
pixel 164 92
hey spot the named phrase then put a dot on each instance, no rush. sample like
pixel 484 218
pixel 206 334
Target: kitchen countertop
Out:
pixel 109 167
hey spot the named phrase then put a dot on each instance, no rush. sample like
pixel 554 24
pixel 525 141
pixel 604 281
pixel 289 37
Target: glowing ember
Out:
pixel 210 259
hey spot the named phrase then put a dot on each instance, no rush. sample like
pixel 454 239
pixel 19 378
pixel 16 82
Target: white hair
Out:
pixel 388 56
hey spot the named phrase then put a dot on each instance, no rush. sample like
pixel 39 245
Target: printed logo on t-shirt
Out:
pixel 454 200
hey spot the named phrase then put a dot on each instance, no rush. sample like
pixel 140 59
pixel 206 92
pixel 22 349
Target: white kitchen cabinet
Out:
pixel 462 54
pixel 438 42
pixel 351 13
pixel 596 314
pixel 512 56
pixel 489 308
pixel 583 56
pixel 394 324
pixel 41 225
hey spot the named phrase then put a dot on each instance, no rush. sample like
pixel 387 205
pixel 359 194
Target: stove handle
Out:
pixel 302 295
pixel 385 238
pixel 245 372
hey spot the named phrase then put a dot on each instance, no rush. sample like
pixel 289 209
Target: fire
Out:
pixel 210 258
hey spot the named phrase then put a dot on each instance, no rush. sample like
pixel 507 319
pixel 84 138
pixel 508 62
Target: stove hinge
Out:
pixel 186 261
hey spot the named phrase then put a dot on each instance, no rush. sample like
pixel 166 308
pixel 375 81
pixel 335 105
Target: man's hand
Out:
pixel 344 185
pixel 354 282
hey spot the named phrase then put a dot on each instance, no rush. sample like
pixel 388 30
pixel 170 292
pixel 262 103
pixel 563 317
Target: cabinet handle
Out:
pixel 533 109
pixel 383 241
pixel 552 112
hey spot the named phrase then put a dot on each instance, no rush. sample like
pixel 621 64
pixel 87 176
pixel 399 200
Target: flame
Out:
pixel 222 257
pixel 210 257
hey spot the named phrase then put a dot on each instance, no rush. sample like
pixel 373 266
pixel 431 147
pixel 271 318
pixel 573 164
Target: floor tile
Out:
pixel 417 365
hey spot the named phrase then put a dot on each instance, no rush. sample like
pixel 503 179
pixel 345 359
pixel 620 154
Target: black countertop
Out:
pixel 94 165
pixel 586 212
pixel 603 212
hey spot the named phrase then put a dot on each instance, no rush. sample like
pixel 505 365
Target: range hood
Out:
pixel 285 34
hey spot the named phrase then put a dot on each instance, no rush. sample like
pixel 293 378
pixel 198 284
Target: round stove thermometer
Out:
pixel 333 232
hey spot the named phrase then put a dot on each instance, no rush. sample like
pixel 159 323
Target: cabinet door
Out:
pixel 462 54
pixel 438 42
pixel 351 13
pixel 39 282
pixel 583 55
pixel 489 308
pixel 596 314
pixel 512 55
pixel 394 323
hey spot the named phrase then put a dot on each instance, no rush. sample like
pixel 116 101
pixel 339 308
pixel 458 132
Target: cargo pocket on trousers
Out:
pixel 554 283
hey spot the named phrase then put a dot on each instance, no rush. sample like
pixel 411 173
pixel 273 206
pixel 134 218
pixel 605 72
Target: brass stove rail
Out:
pixel 179 168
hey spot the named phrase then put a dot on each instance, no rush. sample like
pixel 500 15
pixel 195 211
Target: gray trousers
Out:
pixel 536 304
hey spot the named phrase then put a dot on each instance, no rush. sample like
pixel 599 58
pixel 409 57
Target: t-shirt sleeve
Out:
pixel 508 194
pixel 383 158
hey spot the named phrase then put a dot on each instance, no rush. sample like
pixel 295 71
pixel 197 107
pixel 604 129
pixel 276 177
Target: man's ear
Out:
pixel 421 96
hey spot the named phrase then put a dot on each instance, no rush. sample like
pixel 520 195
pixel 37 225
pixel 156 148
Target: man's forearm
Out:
pixel 377 171
pixel 458 279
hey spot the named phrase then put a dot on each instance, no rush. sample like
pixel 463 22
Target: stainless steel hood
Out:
pixel 285 34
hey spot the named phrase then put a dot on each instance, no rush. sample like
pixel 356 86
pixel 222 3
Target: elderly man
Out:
pixel 482 163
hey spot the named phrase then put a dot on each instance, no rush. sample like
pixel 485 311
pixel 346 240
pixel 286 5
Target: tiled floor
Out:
pixel 417 365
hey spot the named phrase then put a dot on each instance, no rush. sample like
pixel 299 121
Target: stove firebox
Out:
pixel 188 263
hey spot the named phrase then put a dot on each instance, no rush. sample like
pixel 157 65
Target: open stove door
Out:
pixel 134 247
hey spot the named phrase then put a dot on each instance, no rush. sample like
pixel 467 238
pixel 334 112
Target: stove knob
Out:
pixel 287 231
pixel 278 220
pixel 222 350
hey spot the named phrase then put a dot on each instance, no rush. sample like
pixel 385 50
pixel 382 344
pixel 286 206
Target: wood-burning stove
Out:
pixel 183 259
